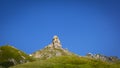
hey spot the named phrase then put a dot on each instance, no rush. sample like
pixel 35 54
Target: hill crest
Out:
pixel 52 50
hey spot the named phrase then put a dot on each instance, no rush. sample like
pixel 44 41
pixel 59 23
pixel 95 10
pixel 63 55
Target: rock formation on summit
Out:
pixel 52 50
pixel 55 43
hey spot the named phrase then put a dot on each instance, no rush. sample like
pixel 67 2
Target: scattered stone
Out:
pixel 102 57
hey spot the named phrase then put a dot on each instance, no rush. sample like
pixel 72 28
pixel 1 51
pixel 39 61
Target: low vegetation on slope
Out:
pixel 68 62
pixel 10 56
pixel 51 52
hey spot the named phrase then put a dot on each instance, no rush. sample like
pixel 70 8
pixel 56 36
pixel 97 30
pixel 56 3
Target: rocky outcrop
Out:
pixel 103 57
pixel 52 50
pixel 55 43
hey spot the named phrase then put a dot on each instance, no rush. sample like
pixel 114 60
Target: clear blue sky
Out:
pixel 82 26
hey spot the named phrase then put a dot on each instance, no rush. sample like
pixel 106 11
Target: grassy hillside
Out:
pixel 10 56
pixel 68 62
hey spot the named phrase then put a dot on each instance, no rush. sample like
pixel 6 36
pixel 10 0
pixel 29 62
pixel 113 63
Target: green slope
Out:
pixel 10 56
pixel 68 62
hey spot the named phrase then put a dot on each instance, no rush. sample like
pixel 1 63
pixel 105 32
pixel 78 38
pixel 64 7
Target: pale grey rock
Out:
pixel 55 43
pixel 13 61
pixel 102 57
